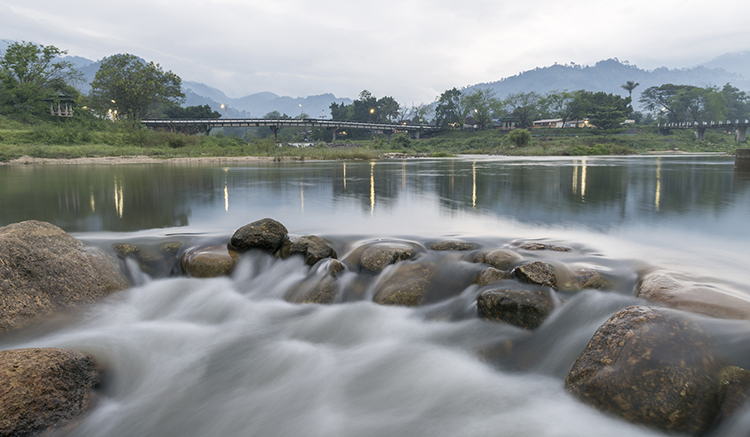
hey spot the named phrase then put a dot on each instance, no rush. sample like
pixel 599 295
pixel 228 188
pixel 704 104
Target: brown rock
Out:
pixel 734 386
pixel 523 308
pixel 265 234
pixel 44 389
pixel 501 259
pixel 539 273
pixel 491 275
pixel 542 246
pixel 710 300
pixel 406 286
pixel 450 245
pixel 43 269
pixel 650 366
pixel 209 262
pixel 376 257
pixel 588 279
pixel 311 247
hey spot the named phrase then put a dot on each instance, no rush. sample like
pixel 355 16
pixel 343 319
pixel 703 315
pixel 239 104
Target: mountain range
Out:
pixel 606 75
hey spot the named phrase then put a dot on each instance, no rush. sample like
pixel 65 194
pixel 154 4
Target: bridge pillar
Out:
pixel 333 131
pixel 275 130
pixel 740 133
pixel 700 133
pixel 413 134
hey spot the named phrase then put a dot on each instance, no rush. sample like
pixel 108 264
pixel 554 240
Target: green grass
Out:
pixel 86 136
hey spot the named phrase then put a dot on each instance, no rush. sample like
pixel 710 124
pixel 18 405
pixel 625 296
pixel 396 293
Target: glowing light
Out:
pixel 583 180
pixel 657 201
pixel 119 202
pixel 575 177
pixel 345 176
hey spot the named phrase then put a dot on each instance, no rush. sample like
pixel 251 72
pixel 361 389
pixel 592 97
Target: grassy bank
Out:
pixel 85 136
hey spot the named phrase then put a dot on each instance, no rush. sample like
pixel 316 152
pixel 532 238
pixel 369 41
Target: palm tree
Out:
pixel 630 86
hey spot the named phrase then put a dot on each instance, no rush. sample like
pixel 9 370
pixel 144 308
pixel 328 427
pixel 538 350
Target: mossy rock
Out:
pixel 378 256
pixel 454 245
pixel 734 387
pixel 651 366
pixel 490 275
pixel 311 247
pixel 543 246
pixel 538 273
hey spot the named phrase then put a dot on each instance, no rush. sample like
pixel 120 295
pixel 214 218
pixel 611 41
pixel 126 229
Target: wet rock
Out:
pixel 170 248
pixel 335 267
pixel 697 298
pixel 450 245
pixel 538 272
pixel 266 234
pixel 650 366
pixel 44 389
pixel 321 292
pixel 491 275
pixel 501 259
pixel 125 250
pixel 542 246
pixel 311 247
pixel 406 286
pixel 43 269
pixel 588 279
pixel 210 262
pixel 523 308
pixel 376 257
pixel 734 385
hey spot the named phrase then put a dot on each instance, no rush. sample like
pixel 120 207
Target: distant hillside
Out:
pixel 735 62
pixel 609 75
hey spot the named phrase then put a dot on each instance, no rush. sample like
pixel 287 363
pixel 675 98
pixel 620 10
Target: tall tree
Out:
pixel 133 87
pixel 660 99
pixel 30 73
pixel 524 107
pixel 629 87
pixel 564 104
pixel 606 111
pixel 738 103
pixel 389 108
pixel 449 111
pixel 479 104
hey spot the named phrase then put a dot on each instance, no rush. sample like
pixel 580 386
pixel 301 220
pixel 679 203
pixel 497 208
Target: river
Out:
pixel 229 356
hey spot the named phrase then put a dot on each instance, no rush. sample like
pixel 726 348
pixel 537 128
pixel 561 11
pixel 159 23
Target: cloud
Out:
pixel 410 49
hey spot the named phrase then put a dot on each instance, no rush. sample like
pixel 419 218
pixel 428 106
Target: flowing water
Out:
pixel 230 357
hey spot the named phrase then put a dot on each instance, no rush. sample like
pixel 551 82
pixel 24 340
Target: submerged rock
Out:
pixel 734 386
pixel 44 389
pixel 210 262
pixel 650 366
pixel 543 246
pixel 491 275
pixel 526 309
pixel 501 259
pixel 591 279
pixel 320 290
pixel 538 272
pixel 376 257
pixel 265 234
pixel 311 247
pixel 44 269
pixel 685 295
pixel 450 245
pixel 406 286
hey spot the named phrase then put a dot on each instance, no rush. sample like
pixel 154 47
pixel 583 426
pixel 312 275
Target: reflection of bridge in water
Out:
pixel 739 126
pixel 275 124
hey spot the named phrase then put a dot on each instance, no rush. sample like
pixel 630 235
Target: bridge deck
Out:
pixel 278 123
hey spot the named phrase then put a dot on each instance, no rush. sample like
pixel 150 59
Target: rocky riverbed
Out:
pixel 655 364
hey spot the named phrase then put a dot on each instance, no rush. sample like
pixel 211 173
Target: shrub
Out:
pixel 519 137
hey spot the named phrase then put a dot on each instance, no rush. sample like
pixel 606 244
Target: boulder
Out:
pixel 527 309
pixel 538 272
pixel 210 262
pixel 651 366
pixel 588 279
pixel 43 269
pixel 406 286
pixel 320 290
pixel 501 259
pixel 376 257
pixel 44 389
pixel 450 245
pixel 690 296
pixel 311 247
pixel 266 234
pixel 734 385
pixel 153 262
pixel 491 275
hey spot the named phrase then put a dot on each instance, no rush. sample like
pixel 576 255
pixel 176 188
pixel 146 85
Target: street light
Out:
pixel 224 107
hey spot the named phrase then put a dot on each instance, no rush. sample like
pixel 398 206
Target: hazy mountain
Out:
pixel 608 76
pixel 735 62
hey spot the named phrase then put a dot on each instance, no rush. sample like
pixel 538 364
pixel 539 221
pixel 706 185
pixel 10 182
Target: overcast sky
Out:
pixel 409 49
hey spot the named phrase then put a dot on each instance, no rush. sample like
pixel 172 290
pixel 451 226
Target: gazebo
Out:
pixel 60 104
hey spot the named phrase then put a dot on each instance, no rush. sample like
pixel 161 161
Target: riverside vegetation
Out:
pixel 85 135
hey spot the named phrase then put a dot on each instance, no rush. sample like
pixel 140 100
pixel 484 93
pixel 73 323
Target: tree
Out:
pixel 738 103
pixel 524 107
pixel 629 87
pixel 449 110
pixel 661 99
pixel 204 111
pixel 479 105
pixel 29 73
pixel 388 107
pixel 565 105
pixel 133 87
pixel 606 111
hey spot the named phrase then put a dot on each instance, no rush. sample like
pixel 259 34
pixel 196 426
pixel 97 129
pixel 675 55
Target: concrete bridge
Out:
pixel 739 126
pixel 332 125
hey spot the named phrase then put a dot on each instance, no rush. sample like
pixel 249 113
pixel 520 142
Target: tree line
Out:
pixel 130 88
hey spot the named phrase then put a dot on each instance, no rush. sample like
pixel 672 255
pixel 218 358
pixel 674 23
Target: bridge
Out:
pixel 334 126
pixel 739 126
